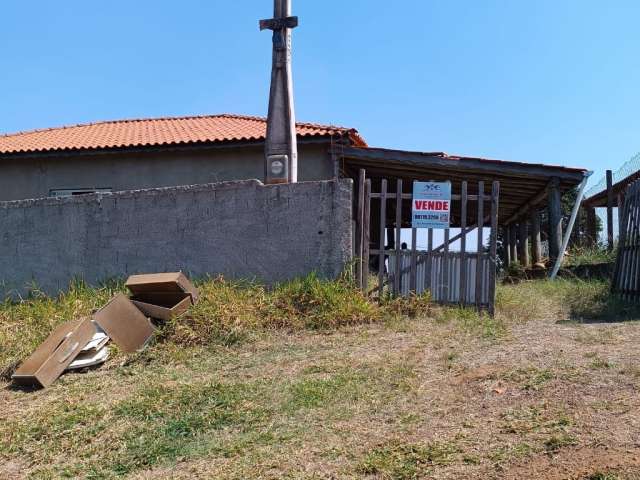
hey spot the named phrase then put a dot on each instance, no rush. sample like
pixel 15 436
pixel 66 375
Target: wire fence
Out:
pixel 630 167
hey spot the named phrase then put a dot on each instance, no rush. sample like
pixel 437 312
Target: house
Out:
pixel 163 152
pixel 160 152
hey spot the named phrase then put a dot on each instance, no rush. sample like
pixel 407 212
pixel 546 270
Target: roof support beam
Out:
pixel 535 201
pixel 426 160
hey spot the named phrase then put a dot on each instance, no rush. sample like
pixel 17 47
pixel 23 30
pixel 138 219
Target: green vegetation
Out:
pixel 400 461
pixel 310 378
pixel 590 256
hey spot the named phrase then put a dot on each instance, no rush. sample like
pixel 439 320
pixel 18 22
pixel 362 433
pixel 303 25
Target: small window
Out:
pixel 72 192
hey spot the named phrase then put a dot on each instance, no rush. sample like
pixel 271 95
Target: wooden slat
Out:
pixel 493 249
pixel 429 268
pixel 398 259
pixel 409 196
pixel 367 235
pixel 463 243
pixel 383 227
pixel 359 228
pixel 414 260
pixel 457 237
pixel 479 276
pixel 445 284
pixel 627 267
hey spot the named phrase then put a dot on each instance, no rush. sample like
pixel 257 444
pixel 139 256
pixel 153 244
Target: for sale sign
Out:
pixel 431 204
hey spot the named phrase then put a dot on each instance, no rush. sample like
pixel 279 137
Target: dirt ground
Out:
pixel 546 399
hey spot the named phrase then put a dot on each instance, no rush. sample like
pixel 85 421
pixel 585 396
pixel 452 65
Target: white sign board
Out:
pixel 431 206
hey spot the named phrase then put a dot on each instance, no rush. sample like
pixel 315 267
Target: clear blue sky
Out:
pixel 545 81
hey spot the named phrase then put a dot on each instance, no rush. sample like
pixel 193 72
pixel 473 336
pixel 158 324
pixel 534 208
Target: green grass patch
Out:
pixel 530 378
pixel 403 461
pixel 590 256
pixel 558 441
pixel 156 425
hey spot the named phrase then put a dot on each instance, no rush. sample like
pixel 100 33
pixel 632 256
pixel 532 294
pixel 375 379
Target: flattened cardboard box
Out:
pixel 124 323
pixel 55 354
pixel 162 295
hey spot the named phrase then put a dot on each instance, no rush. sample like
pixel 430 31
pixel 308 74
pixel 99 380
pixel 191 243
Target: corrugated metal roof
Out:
pixel 168 131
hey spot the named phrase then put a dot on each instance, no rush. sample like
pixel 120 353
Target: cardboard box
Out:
pixel 162 295
pixel 55 354
pixel 124 323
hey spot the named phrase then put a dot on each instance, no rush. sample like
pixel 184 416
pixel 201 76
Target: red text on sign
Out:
pixel 431 205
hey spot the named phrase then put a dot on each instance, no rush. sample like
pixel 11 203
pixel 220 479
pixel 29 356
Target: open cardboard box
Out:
pixel 162 295
pixel 127 326
pixel 55 354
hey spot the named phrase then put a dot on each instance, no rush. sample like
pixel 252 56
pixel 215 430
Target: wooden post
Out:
pixel 360 228
pixel 493 241
pixel 480 247
pixel 555 220
pixel 505 247
pixel 366 247
pixel 397 285
pixel 429 268
pixel 536 238
pixel 463 243
pixel 391 236
pixel 523 244
pixel 281 148
pixel 592 227
pixel 513 243
pixel 446 285
pixel 619 203
pixel 381 245
pixel 414 260
pixel 610 209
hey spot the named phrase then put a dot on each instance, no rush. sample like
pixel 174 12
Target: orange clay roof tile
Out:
pixel 158 132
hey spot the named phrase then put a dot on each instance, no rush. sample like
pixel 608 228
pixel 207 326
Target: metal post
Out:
pixel 281 149
pixel 572 221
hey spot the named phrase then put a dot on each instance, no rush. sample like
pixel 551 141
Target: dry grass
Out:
pixel 308 380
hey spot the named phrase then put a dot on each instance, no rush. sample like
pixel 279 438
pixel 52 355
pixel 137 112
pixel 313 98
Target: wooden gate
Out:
pixel 460 277
pixel 626 277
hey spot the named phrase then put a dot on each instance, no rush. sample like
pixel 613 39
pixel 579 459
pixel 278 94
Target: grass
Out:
pixel 590 256
pixel 310 379
pixel 403 461
pixel 575 300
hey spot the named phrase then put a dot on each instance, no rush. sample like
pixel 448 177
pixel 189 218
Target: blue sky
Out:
pixel 546 81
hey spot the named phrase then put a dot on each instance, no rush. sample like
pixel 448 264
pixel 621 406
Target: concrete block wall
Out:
pixel 242 230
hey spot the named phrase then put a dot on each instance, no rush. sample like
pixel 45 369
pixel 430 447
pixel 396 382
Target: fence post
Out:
pixel 381 246
pixel 479 272
pixel 360 228
pixel 366 236
pixel 610 209
pixel 463 243
pixel 493 239
pixel 397 278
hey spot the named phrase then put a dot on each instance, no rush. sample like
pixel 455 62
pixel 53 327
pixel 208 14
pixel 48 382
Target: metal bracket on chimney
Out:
pixel 279 23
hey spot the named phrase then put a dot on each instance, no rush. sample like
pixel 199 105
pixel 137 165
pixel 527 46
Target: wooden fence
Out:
pixel 452 277
pixel 626 277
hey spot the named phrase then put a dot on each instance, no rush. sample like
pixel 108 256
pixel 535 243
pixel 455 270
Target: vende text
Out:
pixel 432 205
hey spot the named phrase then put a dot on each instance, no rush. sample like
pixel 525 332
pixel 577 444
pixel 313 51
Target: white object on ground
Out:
pixel 90 359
